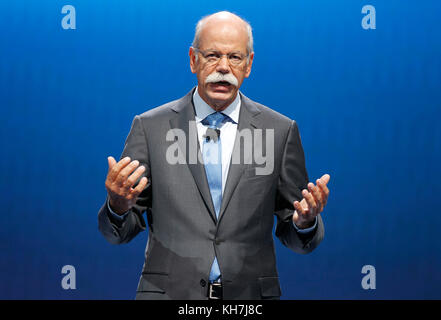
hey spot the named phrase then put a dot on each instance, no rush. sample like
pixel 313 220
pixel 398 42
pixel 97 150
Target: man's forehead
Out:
pixel 224 35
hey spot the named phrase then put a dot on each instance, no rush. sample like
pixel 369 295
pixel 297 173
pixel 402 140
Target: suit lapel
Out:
pixel 247 120
pixel 184 120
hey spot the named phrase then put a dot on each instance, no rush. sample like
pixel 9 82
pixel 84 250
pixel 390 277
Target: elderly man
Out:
pixel 210 221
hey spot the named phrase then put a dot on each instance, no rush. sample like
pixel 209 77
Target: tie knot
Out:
pixel 215 119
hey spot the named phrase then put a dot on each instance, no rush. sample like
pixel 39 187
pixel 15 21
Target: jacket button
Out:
pixel 203 282
pixel 217 242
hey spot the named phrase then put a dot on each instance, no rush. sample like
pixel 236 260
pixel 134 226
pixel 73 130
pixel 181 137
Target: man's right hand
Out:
pixel 119 183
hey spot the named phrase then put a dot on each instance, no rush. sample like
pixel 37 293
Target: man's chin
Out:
pixel 221 99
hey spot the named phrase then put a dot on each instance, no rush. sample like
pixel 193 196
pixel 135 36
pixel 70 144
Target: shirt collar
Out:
pixel 202 109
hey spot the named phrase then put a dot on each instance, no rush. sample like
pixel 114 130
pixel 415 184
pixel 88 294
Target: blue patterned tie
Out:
pixel 212 155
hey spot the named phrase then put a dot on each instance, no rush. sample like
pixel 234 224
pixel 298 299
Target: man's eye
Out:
pixel 236 57
pixel 211 55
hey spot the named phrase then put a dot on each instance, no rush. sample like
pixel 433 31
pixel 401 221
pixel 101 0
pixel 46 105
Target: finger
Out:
pixel 312 206
pixel 298 207
pixel 302 210
pixel 314 190
pixel 325 178
pixel 141 185
pixel 135 176
pixel 111 160
pixel 117 168
pixel 121 179
pixel 316 194
pixel 324 190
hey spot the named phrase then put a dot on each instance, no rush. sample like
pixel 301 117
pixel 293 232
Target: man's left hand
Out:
pixel 313 202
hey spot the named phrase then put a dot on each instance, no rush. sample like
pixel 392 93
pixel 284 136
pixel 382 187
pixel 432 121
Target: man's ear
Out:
pixel 248 66
pixel 192 54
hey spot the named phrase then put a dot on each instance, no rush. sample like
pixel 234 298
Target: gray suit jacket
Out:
pixel 184 234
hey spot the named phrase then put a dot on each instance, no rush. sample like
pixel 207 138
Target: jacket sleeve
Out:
pixel 118 231
pixel 293 179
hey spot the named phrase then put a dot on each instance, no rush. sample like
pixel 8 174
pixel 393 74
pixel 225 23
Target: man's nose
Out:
pixel 223 65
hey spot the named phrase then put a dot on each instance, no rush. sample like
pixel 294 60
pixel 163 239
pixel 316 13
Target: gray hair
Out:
pixel 200 24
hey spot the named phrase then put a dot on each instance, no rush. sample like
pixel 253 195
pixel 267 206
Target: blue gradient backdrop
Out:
pixel 368 104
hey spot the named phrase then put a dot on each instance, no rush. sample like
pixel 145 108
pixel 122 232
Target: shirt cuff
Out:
pixel 306 230
pixel 115 215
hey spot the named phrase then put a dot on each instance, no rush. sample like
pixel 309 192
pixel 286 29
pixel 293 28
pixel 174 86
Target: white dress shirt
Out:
pixel 228 129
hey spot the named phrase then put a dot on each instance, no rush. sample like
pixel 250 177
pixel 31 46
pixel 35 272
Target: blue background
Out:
pixel 368 105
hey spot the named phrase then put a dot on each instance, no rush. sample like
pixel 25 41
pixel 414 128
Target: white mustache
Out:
pixel 217 76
